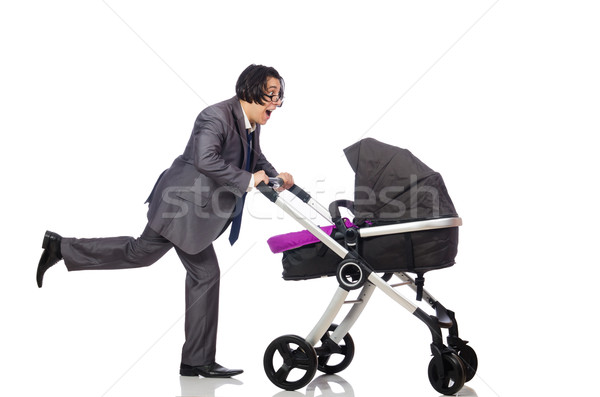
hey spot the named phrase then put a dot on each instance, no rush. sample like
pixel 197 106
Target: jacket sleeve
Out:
pixel 263 164
pixel 208 147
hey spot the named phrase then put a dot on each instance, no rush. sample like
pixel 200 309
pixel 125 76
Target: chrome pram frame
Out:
pixel 451 366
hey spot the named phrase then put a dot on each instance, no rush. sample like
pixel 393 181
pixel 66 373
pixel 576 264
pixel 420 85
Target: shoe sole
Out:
pixel 191 372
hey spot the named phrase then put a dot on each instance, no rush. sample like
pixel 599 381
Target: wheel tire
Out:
pixel 297 356
pixel 453 378
pixel 347 352
pixel 469 359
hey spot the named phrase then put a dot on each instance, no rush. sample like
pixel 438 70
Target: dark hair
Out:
pixel 251 84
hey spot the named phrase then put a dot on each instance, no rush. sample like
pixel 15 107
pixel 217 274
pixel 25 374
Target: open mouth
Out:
pixel 269 112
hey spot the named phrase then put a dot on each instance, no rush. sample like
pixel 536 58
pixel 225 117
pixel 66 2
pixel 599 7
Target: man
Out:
pixel 192 203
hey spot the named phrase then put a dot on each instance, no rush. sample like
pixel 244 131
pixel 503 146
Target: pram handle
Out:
pixel 268 191
pixel 300 193
pixel 296 190
pixel 275 182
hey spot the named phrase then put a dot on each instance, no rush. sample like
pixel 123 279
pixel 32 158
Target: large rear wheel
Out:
pixel 290 362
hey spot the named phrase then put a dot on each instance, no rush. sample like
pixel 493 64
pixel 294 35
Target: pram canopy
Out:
pixel 392 185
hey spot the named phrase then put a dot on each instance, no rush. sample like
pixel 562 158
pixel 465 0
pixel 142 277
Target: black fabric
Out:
pixel 310 261
pixel 416 252
pixel 392 185
pixel 402 252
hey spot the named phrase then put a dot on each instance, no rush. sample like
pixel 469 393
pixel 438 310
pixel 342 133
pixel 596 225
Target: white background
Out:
pixel 98 97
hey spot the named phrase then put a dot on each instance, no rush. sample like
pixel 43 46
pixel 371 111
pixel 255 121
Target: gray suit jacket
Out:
pixel 194 200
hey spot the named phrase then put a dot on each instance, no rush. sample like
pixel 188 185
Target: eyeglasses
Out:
pixel 273 98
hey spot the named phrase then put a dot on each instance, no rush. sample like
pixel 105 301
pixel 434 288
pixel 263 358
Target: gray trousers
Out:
pixel 201 284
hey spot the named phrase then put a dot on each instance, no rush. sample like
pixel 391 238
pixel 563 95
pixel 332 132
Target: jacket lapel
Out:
pixel 241 129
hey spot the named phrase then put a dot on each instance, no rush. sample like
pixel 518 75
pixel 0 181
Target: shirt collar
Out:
pixel 249 127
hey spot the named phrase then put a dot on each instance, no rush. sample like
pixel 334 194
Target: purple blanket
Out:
pixel 288 241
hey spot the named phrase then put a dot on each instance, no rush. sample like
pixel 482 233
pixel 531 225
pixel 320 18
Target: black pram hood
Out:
pixel 393 186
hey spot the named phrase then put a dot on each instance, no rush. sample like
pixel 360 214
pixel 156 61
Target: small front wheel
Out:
pixel 290 362
pixel 446 373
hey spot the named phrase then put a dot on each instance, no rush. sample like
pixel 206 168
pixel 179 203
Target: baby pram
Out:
pixel 404 222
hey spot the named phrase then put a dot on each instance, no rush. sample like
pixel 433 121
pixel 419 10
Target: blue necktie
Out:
pixel 236 224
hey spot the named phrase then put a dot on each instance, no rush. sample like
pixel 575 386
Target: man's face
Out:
pixel 260 114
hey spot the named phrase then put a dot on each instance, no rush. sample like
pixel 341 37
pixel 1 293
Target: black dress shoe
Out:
pixel 213 370
pixel 50 256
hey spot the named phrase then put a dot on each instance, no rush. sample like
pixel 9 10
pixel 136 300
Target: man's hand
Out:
pixel 259 177
pixel 288 181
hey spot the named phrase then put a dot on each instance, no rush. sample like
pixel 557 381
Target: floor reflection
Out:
pixel 466 391
pixel 196 386
pixel 336 386
pixel 323 386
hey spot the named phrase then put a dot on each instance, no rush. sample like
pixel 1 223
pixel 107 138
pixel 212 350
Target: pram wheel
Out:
pixel 296 362
pixel 469 359
pixel 328 349
pixel 450 378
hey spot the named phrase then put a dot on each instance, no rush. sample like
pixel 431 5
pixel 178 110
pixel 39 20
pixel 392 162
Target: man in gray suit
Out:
pixel 192 204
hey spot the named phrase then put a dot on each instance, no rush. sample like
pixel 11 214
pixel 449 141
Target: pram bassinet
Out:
pixel 391 186
pixel 416 252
